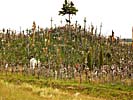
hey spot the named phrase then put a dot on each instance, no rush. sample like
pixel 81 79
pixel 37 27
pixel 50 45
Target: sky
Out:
pixel 116 15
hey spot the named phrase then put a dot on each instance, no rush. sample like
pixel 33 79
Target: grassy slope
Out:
pixel 9 91
pixel 31 88
pixel 13 92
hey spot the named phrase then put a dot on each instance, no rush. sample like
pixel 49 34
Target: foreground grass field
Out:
pixel 9 91
pixel 25 91
pixel 18 87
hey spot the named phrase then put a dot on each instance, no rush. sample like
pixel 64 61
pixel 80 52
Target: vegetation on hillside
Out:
pixel 65 44
pixel 76 63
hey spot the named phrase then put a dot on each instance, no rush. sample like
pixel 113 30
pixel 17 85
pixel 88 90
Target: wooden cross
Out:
pixel 34 26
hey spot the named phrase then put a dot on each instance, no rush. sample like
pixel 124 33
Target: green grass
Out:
pixel 108 91
pixel 25 91
pixel 13 92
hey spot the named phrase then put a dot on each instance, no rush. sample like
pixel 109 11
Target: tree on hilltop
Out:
pixel 68 8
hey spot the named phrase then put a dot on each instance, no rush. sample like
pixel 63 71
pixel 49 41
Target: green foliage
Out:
pixel 18 49
pixel 68 8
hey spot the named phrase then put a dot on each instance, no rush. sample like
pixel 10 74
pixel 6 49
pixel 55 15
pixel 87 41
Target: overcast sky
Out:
pixel 114 14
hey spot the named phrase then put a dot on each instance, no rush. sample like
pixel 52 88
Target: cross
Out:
pixel 27 31
pixel 92 28
pixel 34 26
pixel 38 27
pixel 51 22
pixel 76 26
pixel 100 28
pixel 89 28
pixel 20 29
pixel 76 23
pixel 85 20
pixel 61 22
pixel 38 32
pixel 84 24
pixel 96 30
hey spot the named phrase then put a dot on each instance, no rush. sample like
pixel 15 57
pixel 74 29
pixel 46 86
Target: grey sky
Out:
pixel 114 14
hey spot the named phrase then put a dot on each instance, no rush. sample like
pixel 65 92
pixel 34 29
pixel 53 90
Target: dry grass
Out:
pixel 25 91
pixel 17 87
